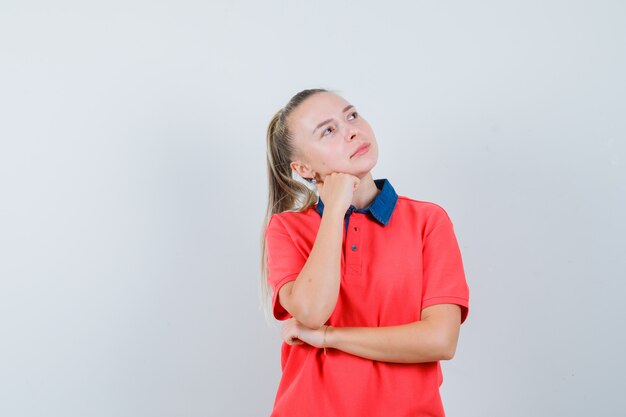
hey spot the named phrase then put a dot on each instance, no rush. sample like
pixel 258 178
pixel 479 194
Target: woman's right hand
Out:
pixel 337 191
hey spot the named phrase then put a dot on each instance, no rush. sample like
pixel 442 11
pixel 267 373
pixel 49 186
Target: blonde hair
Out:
pixel 285 193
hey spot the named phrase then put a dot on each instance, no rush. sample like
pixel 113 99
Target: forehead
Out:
pixel 316 109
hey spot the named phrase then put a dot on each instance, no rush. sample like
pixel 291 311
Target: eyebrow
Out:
pixel 348 107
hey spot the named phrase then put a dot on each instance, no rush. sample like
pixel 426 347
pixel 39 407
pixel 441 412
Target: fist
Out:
pixel 295 333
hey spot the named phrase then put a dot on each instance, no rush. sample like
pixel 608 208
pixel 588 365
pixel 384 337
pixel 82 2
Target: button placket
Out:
pixel 354 245
pixel 353 242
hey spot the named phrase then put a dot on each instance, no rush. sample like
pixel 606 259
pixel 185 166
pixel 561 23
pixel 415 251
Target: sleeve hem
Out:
pixel 280 313
pixel 463 302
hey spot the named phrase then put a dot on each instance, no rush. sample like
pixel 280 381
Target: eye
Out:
pixel 354 113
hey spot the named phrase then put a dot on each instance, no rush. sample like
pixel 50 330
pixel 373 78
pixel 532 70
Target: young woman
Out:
pixel 370 285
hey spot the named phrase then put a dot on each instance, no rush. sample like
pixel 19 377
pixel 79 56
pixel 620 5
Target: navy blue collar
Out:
pixel 380 208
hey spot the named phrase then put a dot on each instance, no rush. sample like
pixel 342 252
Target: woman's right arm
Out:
pixel 312 296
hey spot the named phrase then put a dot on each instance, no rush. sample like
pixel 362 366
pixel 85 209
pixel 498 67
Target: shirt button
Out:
pixel 353 247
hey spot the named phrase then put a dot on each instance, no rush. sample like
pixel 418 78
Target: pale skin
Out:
pixel 327 131
pixel 432 338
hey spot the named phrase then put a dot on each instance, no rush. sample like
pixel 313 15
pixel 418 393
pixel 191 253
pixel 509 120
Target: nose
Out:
pixel 351 132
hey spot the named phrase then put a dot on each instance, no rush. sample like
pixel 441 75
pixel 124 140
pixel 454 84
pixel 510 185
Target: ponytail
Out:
pixel 285 192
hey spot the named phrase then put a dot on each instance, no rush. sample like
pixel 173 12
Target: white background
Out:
pixel 133 189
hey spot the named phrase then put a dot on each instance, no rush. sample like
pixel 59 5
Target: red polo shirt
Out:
pixel 399 256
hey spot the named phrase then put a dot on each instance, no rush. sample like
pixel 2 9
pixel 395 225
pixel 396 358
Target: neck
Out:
pixel 366 193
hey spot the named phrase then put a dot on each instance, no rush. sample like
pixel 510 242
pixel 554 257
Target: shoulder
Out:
pixel 294 220
pixel 290 216
pixel 421 215
pixel 425 211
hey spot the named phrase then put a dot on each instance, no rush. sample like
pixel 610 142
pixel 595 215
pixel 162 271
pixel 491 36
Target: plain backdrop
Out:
pixel 133 187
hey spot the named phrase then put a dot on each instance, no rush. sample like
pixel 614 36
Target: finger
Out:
pixel 293 341
pixel 289 335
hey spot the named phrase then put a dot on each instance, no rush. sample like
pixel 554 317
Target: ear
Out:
pixel 303 170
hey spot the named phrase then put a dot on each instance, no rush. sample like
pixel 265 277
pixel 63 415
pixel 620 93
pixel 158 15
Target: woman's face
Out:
pixel 327 131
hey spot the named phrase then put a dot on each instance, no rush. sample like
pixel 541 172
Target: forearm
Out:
pixel 420 341
pixel 316 289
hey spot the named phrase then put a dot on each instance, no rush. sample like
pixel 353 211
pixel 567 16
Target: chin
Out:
pixel 364 169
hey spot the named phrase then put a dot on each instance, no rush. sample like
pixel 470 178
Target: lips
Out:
pixel 360 148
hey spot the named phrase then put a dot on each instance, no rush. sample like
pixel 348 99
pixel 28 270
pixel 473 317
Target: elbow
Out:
pixel 312 319
pixel 446 355
pixel 313 325
pixel 447 351
pixel 311 315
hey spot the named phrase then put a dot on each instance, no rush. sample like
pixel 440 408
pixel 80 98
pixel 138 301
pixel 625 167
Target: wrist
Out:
pixel 334 211
pixel 331 337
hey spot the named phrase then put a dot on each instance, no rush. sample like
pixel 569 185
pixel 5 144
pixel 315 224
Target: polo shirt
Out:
pixel 399 255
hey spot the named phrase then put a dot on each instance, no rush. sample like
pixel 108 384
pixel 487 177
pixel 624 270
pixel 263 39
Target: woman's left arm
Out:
pixel 432 338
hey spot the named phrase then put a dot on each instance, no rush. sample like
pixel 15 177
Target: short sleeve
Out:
pixel 444 276
pixel 284 262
